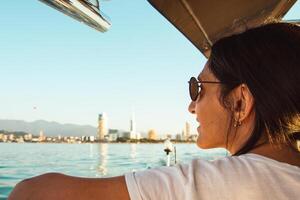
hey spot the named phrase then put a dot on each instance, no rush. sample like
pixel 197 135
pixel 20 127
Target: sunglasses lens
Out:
pixel 193 88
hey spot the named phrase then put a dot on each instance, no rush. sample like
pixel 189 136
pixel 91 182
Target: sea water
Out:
pixel 21 161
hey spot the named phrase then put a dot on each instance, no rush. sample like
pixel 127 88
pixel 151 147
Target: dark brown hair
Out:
pixel 267 60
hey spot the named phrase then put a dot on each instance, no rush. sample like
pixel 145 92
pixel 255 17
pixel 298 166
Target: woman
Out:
pixel 247 100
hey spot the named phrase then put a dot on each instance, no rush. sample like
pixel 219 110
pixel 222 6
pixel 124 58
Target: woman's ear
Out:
pixel 243 103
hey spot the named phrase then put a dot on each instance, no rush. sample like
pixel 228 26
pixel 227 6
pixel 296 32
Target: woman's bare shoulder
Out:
pixel 60 186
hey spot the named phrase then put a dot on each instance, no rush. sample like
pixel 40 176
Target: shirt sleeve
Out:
pixel 176 182
pixel 132 186
pixel 160 183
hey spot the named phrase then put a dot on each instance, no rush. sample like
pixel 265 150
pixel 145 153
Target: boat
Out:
pixel 86 11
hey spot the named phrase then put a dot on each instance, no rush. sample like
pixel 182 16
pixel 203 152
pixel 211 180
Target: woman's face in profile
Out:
pixel 210 114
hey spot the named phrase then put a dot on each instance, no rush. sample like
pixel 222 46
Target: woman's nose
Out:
pixel 192 107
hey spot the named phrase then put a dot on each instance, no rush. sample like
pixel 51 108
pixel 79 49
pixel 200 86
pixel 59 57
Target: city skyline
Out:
pixel 102 129
pixel 103 133
pixel 56 69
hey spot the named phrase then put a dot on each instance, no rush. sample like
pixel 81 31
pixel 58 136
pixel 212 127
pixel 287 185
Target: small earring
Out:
pixel 237 123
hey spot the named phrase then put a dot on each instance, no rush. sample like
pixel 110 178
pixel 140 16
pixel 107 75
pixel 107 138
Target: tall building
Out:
pixel 102 126
pixel 42 136
pixel 186 131
pixel 133 133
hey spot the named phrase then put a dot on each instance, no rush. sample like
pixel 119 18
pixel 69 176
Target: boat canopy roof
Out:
pixel 203 22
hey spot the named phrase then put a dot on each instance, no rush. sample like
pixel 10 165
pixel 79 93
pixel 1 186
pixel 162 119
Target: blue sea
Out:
pixel 20 161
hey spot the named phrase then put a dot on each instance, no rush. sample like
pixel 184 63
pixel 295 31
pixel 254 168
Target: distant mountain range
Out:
pixel 49 128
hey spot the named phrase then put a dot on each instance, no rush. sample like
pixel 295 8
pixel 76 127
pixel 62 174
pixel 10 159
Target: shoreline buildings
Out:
pixel 101 134
pixel 104 134
pixel 152 135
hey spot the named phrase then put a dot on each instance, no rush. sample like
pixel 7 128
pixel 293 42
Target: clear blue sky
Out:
pixel 71 73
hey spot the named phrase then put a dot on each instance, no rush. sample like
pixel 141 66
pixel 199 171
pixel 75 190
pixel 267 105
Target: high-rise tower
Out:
pixel 132 129
pixel 102 126
pixel 132 123
pixel 133 133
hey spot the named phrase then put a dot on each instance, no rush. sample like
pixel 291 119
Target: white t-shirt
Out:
pixel 244 177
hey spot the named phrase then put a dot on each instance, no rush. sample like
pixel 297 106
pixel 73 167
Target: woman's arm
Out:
pixel 59 186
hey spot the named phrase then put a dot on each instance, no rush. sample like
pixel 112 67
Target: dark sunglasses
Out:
pixel 195 89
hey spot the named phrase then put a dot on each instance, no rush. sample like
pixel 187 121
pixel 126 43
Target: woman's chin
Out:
pixel 203 146
pixel 201 143
pixel 200 140
pixel 205 143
